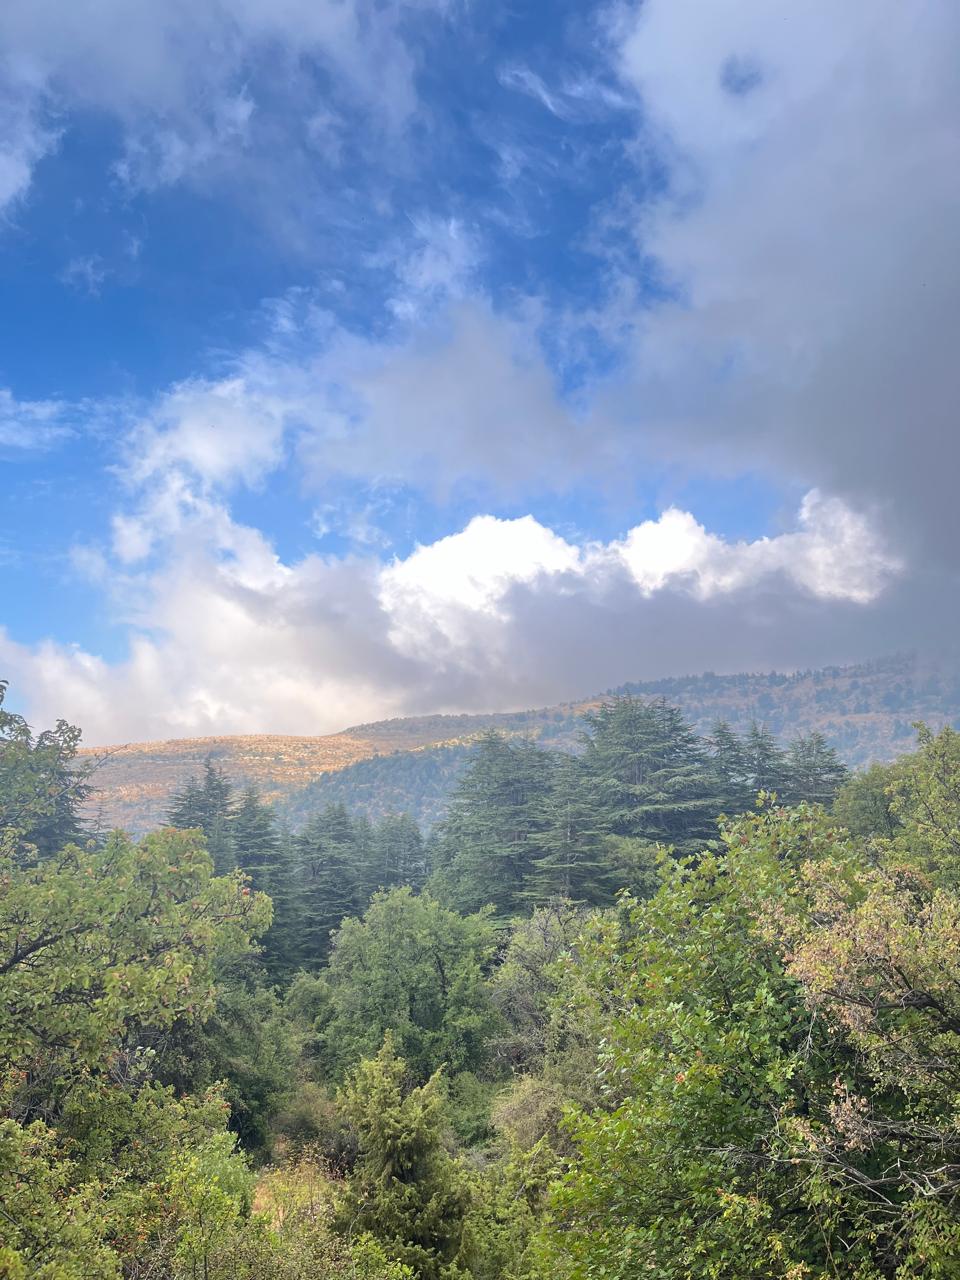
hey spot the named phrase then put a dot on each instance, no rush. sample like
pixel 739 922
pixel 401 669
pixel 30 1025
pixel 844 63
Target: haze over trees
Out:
pixel 580 1029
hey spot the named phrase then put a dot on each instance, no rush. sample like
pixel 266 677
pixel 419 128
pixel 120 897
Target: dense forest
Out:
pixel 672 1006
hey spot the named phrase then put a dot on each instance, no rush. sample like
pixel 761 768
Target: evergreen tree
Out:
pixel 328 876
pixel 574 858
pixel 650 775
pixel 254 837
pixel 399 855
pixel 487 844
pixel 267 855
pixel 405 1189
pixel 815 771
pixel 728 755
pixel 206 804
pixel 767 768
pixel 364 860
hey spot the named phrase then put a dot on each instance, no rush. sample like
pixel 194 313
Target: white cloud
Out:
pixel 439 597
pixel 226 637
pixel 220 432
pixel 31 424
pixel 835 554
pixel 177 76
pixel 444 596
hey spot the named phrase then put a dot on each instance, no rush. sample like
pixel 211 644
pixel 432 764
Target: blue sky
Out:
pixel 363 358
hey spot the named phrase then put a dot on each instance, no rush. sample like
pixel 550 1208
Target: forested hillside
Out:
pixel 865 712
pixel 582 1030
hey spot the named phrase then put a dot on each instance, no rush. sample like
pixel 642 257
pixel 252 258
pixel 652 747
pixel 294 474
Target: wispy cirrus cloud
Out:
pixel 187 81
pixel 32 424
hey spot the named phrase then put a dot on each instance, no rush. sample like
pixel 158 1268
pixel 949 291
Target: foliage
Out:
pixel 779 1027
pixel 741 1065
pixel 406 1189
pixel 206 804
pixel 488 839
pixel 865 802
pixel 415 969
pixel 525 983
pixel 93 939
pixel 42 787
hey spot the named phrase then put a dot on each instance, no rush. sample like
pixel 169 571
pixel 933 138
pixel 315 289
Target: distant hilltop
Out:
pixel 866 711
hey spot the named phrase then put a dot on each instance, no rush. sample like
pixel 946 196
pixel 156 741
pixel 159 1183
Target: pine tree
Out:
pixel 206 804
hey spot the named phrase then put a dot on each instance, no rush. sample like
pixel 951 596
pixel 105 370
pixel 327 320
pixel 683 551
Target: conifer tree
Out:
pixel 767 768
pixel 650 775
pixel 406 1190
pixel 728 755
pixel 571 839
pixel 487 846
pixel 399 856
pixel 815 771
pixel 206 804
pixel 266 854
pixel 328 869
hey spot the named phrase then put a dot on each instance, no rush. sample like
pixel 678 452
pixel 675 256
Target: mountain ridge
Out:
pixel 865 710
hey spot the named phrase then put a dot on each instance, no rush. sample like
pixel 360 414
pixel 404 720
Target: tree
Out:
pixel 487 844
pixel 778 1032
pixel 525 984
pixel 649 774
pixel 267 855
pixel 573 856
pixel 865 802
pixel 730 760
pixel 206 804
pixel 329 876
pixel 406 1190
pixel 253 836
pixel 766 762
pixel 399 856
pixel 814 770
pixel 42 787
pixel 416 969
pixel 96 945
pixel 91 940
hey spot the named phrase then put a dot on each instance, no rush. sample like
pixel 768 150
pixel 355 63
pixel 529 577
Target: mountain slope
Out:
pixel 866 712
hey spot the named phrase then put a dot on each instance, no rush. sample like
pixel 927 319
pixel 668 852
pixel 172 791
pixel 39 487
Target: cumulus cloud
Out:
pixel 226 637
pixel 802 238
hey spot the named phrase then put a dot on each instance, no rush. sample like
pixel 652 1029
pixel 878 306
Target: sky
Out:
pixel 366 358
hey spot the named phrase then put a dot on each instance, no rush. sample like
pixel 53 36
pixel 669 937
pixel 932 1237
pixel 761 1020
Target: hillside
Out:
pixel 866 712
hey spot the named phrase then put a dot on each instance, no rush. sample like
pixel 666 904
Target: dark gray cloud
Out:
pixel 812 239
